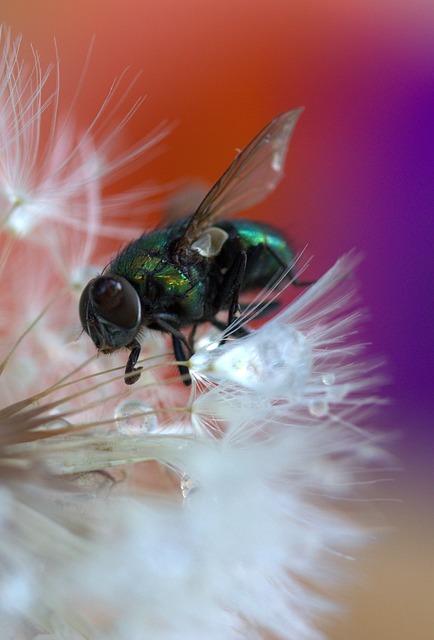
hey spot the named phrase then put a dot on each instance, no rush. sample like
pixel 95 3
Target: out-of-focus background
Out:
pixel 359 174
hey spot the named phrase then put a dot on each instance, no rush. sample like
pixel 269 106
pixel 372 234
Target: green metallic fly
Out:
pixel 184 274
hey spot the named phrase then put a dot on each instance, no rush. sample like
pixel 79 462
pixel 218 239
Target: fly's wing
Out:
pixel 253 174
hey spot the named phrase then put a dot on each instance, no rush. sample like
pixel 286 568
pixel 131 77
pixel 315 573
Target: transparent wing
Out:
pixel 253 174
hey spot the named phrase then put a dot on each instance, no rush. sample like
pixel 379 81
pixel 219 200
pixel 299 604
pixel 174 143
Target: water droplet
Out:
pixel 134 417
pixel 328 378
pixel 187 485
pixel 208 341
pixel 318 408
pixel 54 424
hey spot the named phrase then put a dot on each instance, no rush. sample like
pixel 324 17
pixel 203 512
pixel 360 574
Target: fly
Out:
pixel 186 273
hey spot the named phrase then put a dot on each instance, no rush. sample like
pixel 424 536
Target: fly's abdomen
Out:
pixel 268 251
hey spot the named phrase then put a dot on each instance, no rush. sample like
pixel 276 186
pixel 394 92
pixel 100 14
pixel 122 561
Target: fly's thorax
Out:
pixel 166 288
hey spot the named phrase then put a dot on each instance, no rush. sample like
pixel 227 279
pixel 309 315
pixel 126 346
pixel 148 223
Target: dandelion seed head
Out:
pixel 51 175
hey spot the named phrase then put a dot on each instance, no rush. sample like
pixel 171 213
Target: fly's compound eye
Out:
pixel 113 300
pixel 84 306
pixel 116 301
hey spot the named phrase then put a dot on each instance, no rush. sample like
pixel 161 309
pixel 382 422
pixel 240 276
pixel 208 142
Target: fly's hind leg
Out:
pixel 231 287
pixel 240 332
pixel 284 266
pixel 229 294
pixel 233 282
pixel 181 356
pixel 181 347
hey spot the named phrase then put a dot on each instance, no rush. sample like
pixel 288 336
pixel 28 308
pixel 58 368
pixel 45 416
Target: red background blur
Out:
pixel 359 174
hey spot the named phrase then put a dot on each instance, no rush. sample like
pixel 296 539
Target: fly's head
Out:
pixel 110 312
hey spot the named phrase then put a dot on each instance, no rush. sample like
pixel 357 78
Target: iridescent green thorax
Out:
pixel 183 289
pixel 147 264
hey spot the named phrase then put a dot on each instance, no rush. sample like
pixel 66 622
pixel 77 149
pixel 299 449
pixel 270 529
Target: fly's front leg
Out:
pixel 131 364
pixel 181 347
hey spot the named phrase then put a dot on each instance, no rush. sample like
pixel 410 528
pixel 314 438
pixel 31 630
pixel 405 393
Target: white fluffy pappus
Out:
pixel 257 542
pixel 307 356
pixel 49 173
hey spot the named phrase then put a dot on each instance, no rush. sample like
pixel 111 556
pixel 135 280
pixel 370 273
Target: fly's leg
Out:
pixel 231 286
pixel 243 331
pixel 131 366
pixel 192 335
pixel 180 355
pixel 233 283
pixel 222 326
pixel 181 347
pixel 284 266
pixel 229 293
pixel 236 277
pixel 262 309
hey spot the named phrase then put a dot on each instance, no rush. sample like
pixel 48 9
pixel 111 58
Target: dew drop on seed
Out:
pixel 55 424
pixel 318 408
pixel 209 340
pixel 134 417
pixel 328 379
pixel 187 485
